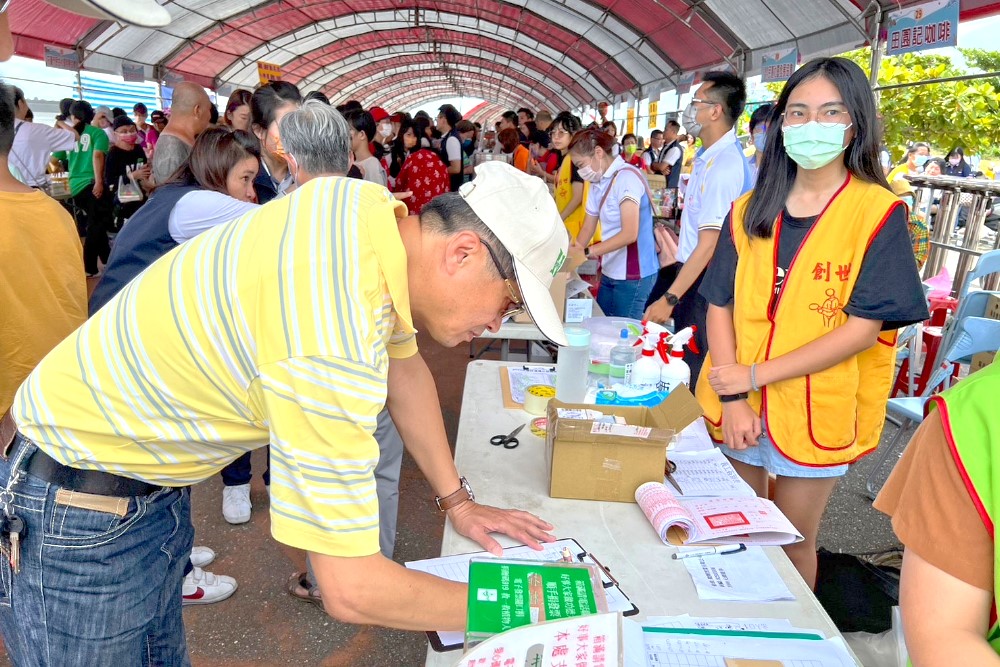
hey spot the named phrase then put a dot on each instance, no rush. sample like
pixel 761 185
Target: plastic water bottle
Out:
pixel 573 365
pixel 622 358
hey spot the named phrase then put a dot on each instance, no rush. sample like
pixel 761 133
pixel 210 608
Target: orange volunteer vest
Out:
pixel 834 416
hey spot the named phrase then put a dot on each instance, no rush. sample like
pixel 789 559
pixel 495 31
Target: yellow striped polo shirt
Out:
pixel 277 327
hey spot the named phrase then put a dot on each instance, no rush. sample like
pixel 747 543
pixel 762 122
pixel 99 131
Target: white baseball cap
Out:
pixel 521 213
pixel 146 13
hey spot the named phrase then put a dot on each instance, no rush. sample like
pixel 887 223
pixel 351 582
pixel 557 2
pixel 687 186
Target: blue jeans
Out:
pixel 625 298
pixel 95 588
pixel 238 472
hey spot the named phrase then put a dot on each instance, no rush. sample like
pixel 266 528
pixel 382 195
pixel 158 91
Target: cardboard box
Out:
pixel 992 307
pixel 981 360
pixel 656 181
pixel 591 461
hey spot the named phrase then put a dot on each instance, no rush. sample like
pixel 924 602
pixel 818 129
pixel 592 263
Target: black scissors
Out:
pixel 508 441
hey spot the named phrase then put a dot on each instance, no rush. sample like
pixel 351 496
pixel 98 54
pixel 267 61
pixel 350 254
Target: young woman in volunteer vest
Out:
pixel 812 276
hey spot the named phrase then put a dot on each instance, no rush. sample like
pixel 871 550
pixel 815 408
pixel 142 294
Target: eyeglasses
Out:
pixel 825 117
pixel 696 100
pixel 518 305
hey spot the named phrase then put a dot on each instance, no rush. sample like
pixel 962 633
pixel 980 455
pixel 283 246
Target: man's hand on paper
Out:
pixel 730 379
pixel 740 425
pixel 477 521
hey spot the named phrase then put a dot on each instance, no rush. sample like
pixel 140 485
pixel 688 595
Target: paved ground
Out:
pixel 262 626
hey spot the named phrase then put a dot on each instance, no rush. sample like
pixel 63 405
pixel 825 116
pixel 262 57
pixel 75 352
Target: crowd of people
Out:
pixel 271 263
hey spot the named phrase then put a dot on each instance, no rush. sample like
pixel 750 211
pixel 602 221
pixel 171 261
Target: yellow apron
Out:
pixel 563 195
pixel 834 416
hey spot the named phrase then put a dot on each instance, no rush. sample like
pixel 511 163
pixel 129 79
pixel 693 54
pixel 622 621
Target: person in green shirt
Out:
pixel 86 185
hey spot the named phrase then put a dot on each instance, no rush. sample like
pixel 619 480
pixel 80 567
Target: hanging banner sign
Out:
pixel 630 121
pixel 171 79
pixel 654 114
pixel 930 25
pixel 686 81
pixel 133 71
pixel 268 72
pixel 60 58
pixel 779 65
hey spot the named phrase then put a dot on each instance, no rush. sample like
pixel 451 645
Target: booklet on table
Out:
pixel 680 521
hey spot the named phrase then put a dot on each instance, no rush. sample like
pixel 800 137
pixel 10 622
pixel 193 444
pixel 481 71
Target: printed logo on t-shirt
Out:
pixel 84 144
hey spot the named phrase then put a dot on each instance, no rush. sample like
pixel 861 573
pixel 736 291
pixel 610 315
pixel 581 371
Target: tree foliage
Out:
pixel 945 115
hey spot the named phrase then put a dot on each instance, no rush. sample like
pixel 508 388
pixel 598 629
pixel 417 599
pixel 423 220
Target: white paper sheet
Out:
pixel 685 650
pixel 721 623
pixel 708 473
pixel 747 576
pixel 694 438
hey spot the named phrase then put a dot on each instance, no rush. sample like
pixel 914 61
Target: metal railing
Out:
pixel 952 194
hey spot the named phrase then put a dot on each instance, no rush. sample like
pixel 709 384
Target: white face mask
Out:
pixel 690 120
pixel 385 130
pixel 587 173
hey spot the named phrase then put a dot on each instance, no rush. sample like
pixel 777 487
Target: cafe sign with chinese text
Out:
pixel 779 65
pixel 931 25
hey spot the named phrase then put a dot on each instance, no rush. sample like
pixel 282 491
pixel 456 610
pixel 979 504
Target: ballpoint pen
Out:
pixel 711 551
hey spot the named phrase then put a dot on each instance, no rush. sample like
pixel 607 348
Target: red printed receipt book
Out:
pixel 685 521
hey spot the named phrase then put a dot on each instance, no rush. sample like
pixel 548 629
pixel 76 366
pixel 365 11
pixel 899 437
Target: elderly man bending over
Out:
pixel 294 325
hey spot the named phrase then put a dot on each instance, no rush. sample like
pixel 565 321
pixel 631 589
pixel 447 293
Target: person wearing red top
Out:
pixel 546 160
pixel 630 151
pixel 422 171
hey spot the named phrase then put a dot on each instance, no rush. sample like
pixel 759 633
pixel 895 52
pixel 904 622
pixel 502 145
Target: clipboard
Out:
pixel 456 568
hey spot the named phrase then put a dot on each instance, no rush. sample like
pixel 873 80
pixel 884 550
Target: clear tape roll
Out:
pixel 537 397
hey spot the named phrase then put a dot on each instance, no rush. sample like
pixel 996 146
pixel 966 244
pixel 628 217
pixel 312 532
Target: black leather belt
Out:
pixel 45 467
pixel 99 483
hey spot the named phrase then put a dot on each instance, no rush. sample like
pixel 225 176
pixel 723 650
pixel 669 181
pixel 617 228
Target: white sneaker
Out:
pixel 201 556
pixel 236 505
pixel 201 587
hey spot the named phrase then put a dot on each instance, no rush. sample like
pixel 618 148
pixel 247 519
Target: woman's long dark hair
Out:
pixel 777 170
pixel 419 126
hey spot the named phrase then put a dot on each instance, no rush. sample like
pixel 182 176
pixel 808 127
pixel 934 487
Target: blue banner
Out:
pixel 779 65
pixel 931 25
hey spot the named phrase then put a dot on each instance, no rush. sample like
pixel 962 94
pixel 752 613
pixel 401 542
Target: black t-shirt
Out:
pixel 117 161
pixel 888 286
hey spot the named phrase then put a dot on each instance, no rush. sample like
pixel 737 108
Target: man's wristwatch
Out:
pixel 729 398
pixel 672 299
pixel 457 498
pixel 586 251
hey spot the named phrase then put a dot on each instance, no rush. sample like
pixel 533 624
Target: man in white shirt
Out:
pixel 35 143
pixel 721 174
pixel 665 154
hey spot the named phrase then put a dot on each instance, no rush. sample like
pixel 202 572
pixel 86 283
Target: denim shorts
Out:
pixel 766 455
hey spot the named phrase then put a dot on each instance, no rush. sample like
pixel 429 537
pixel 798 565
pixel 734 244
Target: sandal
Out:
pixel 299 582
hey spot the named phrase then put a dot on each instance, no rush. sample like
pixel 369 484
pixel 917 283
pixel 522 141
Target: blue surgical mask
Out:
pixel 466 143
pixel 759 140
pixel 813 145
pixel 922 160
